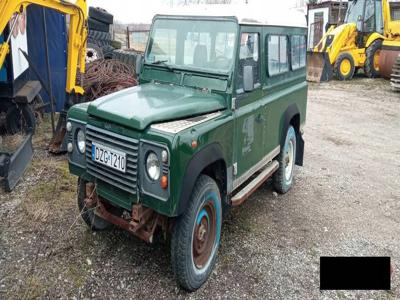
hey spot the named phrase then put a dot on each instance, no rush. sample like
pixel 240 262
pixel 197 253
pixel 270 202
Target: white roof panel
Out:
pixel 262 14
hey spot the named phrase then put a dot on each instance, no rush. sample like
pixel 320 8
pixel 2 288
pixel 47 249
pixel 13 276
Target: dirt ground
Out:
pixel 345 201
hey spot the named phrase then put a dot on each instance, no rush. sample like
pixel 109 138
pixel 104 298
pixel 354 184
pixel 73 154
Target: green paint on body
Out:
pixel 249 126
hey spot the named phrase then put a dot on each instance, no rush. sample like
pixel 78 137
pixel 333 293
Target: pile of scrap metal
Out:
pixel 102 77
pixel 395 78
pixel 107 76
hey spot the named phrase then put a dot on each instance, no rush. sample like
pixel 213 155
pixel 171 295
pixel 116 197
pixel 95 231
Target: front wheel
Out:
pixel 283 177
pixel 344 67
pixel 196 235
pixel 94 222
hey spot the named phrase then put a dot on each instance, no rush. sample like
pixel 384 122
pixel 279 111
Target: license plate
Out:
pixel 110 157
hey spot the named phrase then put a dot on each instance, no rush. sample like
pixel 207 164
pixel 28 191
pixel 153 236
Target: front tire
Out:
pixel 94 222
pixel 283 177
pixel 196 236
pixel 344 67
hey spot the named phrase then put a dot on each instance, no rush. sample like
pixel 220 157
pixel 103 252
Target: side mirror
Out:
pixel 248 78
pixel 138 64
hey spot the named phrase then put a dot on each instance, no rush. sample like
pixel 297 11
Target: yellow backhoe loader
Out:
pixel 16 99
pixel 367 33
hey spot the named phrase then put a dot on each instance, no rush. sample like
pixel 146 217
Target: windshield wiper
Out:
pixel 162 62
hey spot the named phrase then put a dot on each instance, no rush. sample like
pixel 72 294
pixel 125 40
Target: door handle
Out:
pixel 260 118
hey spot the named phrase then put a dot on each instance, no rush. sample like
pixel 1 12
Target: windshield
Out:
pixel 355 9
pixel 193 44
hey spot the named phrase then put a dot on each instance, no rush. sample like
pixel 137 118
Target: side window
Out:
pixel 248 56
pixel 277 54
pixel 298 50
pixel 369 19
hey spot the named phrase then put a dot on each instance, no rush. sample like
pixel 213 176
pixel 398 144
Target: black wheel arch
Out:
pixel 209 161
pixel 291 117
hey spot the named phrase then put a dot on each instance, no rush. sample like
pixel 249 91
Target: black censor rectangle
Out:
pixel 355 273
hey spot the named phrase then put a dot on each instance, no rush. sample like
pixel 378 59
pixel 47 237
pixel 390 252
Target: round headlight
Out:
pixel 80 141
pixel 153 166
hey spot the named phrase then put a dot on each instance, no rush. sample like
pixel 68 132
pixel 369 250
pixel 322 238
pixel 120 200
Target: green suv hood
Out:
pixel 140 106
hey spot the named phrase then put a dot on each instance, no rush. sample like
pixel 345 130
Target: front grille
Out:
pixel 125 181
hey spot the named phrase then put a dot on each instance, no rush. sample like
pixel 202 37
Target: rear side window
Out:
pixel 298 45
pixel 277 46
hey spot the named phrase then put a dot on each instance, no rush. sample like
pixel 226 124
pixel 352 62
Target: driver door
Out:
pixel 249 120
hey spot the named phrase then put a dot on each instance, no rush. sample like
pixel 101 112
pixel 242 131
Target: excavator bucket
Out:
pixel 319 68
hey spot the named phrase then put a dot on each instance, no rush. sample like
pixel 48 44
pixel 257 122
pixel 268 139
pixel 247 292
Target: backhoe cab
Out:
pixel 355 44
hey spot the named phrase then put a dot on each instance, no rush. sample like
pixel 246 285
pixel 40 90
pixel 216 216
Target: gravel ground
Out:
pixel 345 201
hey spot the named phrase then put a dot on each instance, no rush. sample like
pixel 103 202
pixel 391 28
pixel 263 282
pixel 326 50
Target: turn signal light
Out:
pixel 164 182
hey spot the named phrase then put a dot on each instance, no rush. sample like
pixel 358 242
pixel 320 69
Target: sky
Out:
pixel 142 11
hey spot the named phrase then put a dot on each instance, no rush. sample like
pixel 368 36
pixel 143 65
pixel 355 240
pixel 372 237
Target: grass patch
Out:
pixel 54 192
pixel 77 274
pixel 33 288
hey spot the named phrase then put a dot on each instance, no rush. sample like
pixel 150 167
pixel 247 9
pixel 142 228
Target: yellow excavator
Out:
pixel 16 102
pixel 367 35
pixel 77 32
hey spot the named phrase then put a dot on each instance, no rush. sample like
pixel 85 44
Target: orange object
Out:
pixel 164 182
pixel 194 144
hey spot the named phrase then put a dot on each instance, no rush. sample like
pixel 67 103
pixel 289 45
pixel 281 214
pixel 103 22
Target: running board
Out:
pixel 245 193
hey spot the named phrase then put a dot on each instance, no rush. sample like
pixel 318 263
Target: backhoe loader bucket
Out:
pixel 319 68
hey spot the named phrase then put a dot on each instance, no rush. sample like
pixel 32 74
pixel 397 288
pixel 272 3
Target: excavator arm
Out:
pixel 77 33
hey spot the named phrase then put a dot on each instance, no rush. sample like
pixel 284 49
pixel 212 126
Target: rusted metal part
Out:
pixel 91 196
pixel 387 59
pixel 59 134
pixel 143 221
pixel 245 193
pixel 106 76
pixel 204 235
pixel 319 68
pixel 395 77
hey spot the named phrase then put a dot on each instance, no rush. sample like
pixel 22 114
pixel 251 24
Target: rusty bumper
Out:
pixel 142 222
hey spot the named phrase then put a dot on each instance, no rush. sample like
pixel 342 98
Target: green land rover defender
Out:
pixel 220 108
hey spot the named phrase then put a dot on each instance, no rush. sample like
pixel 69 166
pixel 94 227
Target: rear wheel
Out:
pixel 20 118
pixel 196 235
pixel 371 67
pixel 283 177
pixel 344 67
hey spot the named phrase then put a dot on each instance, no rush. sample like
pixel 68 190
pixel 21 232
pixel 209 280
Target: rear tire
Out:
pixel 344 67
pixel 20 118
pixel 98 26
pixel 371 67
pixel 283 177
pixel 196 236
pixel 101 15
